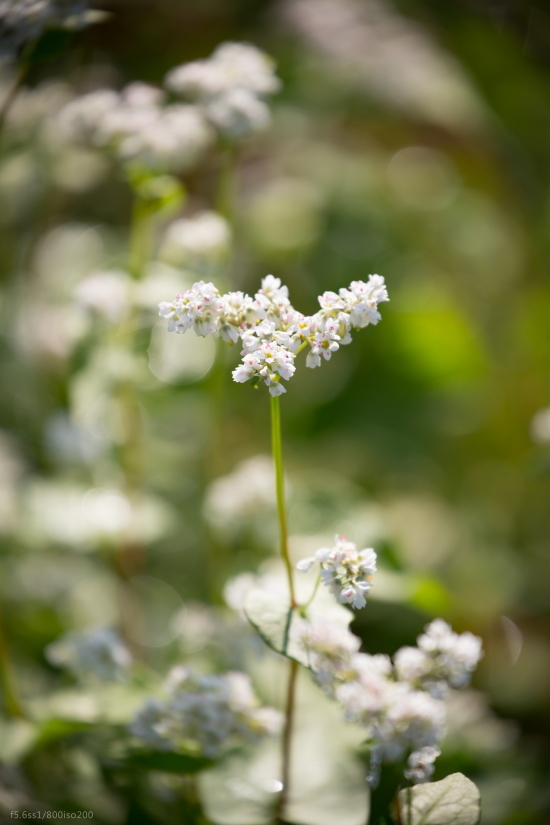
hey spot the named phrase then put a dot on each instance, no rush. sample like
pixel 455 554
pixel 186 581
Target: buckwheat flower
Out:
pixel 80 119
pixel 98 653
pixel 172 139
pixel 198 308
pixel 104 292
pixel 200 240
pixel 237 114
pixel 330 650
pixel 413 720
pixel 412 664
pixel 269 362
pixel 232 65
pixel 322 344
pixel 204 713
pixel 345 570
pixel 421 764
pixel 272 297
pixel 454 656
pixel 263 332
pixel 362 300
pixel 238 310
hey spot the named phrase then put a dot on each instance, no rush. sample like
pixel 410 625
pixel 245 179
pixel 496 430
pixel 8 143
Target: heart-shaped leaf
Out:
pixel 280 625
pixel 454 800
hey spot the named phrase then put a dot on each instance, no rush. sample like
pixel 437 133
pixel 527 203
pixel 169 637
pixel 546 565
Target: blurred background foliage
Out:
pixel 409 139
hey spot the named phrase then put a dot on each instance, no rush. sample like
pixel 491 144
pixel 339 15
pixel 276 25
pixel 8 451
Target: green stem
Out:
pixel 277 447
pixel 287 739
pixel 11 697
pixel 382 797
pixel 141 237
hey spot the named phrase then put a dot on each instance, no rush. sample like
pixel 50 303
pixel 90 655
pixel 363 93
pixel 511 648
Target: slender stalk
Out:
pixel 7 679
pixel 287 739
pixel 277 448
pixel 305 606
pixel 141 237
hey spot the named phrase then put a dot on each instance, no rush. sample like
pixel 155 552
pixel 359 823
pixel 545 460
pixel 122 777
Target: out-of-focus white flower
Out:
pixel 271 330
pixel 345 570
pixel 540 426
pixel 238 113
pixel 105 292
pixel 205 714
pixel 232 65
pixel 174 140
pixel 98 653
pixel 421 764
pixel 330 649
pixel 135 125
pixel 245 495
pixel 455 656
pixel 397 703
pixel 230 86
pixel 204 238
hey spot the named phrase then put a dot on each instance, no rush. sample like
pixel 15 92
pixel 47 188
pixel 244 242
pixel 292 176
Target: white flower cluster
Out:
pixel 23 21
pixel 442 658
pixel 345 570
pixel 98 653
pixel 135 124
pixel 204 714
pixel 230 86
pixel 405 719
pixel 272 332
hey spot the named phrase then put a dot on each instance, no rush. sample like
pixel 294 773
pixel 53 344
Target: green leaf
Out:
pixel 54 729
pixel 169 762
pixel 454 800
pixel 279 625
pixel 327 783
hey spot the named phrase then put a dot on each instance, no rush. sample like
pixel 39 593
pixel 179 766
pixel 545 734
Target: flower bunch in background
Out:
pixel 397 704
pixel 230 87
pixel 98 654
pixel 204 714
pixel 139 124
pixel 271 331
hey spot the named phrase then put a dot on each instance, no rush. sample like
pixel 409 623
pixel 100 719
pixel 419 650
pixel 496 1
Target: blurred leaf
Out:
pixel 454 800
pixel 430 595
pixel 17 737
pixel 169 762
pixel 59 728
pixel 243 789
pixel 276 623
pixel 279 625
